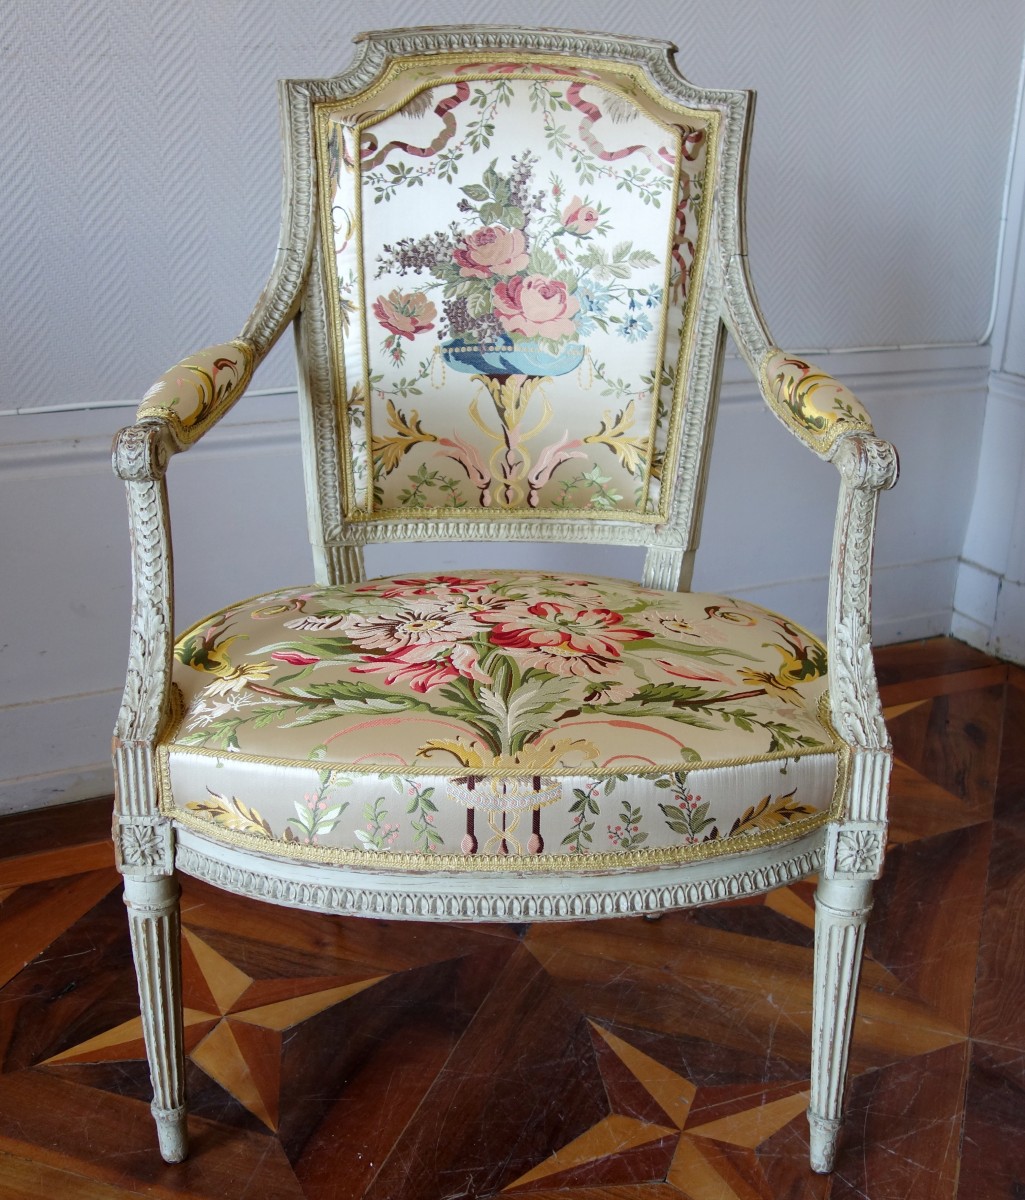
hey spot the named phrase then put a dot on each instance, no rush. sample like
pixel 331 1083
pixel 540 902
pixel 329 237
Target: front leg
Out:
pixel 841 909
pixel 156 945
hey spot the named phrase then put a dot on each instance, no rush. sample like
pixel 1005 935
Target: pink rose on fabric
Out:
pixel 536 307
pixel 405 313
pixel 579 217
pixel 492 250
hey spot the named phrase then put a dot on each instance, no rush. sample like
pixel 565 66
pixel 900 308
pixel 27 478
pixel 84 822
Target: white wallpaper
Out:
pixel 140 178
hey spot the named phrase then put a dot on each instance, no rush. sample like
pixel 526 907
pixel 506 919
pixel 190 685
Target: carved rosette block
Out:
pixel 144 846
pixel 841 909
pixel 855 850
pixel 155 927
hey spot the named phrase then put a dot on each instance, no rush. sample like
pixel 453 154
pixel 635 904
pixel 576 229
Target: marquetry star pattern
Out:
pixel 709 1136
pixel 233 1025
pixel 621 1059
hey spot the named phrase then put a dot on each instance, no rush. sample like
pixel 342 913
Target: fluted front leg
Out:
pixel 156 944
pixel 841 909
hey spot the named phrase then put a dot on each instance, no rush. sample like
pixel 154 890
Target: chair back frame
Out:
pixel 300 287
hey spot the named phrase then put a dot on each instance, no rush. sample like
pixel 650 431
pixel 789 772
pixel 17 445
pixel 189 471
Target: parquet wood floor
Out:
pixel 622 1060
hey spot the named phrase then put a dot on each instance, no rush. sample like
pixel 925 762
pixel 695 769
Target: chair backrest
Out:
pixel 511 323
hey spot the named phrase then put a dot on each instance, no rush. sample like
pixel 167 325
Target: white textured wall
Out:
pixel 140 189
pixel 989 598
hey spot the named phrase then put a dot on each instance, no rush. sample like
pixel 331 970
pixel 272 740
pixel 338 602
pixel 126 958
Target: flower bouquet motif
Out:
pixel 512 288
pixel 503 684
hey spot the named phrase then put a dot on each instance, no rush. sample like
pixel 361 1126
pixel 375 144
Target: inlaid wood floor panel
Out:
pixel 333 1059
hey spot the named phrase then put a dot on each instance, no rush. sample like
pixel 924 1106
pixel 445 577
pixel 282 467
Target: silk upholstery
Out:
pixel 575 716
pixel 514 244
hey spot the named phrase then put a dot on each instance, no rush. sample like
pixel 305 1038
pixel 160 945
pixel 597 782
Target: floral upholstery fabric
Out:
pixel 514 246
pixel 553 720
pixel 196 391
pixel 809 401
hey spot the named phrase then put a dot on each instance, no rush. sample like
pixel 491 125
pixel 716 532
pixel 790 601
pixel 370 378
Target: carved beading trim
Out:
pixel 521 529
pixel 440 899
pixel 281 296
pixel 698 415
pixel 854 850
pixel 655 56
pixel 743 313
pixel 319 416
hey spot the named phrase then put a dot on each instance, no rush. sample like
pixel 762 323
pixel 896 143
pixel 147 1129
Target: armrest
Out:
pixel 193 395
pixel 833 423
pixel 811 404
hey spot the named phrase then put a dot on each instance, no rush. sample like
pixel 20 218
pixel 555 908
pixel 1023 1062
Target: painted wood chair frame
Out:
pixel 846 850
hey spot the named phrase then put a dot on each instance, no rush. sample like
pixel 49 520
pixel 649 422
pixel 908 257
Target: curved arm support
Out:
pixel 829 419
pixel 140 458
pixel 811 403
pixel 183 404
pixel 141 455
pixel 867 465
pixel 180 407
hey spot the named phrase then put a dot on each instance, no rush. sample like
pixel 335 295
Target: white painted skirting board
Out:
pixel 767 531
pixel 989 598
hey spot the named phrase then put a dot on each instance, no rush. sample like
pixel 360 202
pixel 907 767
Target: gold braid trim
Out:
pixel 519 863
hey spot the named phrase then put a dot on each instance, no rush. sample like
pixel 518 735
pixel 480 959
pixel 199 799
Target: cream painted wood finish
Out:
pixel 847 852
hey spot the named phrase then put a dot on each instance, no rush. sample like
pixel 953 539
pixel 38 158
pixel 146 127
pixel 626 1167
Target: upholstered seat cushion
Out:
pixel 499 719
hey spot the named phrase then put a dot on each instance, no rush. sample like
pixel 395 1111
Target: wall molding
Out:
pixel 1007 387
pixel 86 455
pixel 78 440
pixel 989 599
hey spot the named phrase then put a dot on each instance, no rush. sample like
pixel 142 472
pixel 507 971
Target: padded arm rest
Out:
pixel 812 405
pixel 197 392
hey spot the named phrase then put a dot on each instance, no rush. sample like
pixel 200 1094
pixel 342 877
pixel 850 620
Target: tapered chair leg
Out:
pixel 156 944
pixel 841 909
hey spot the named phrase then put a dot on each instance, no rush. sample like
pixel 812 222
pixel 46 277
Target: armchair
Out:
pixel 510 258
